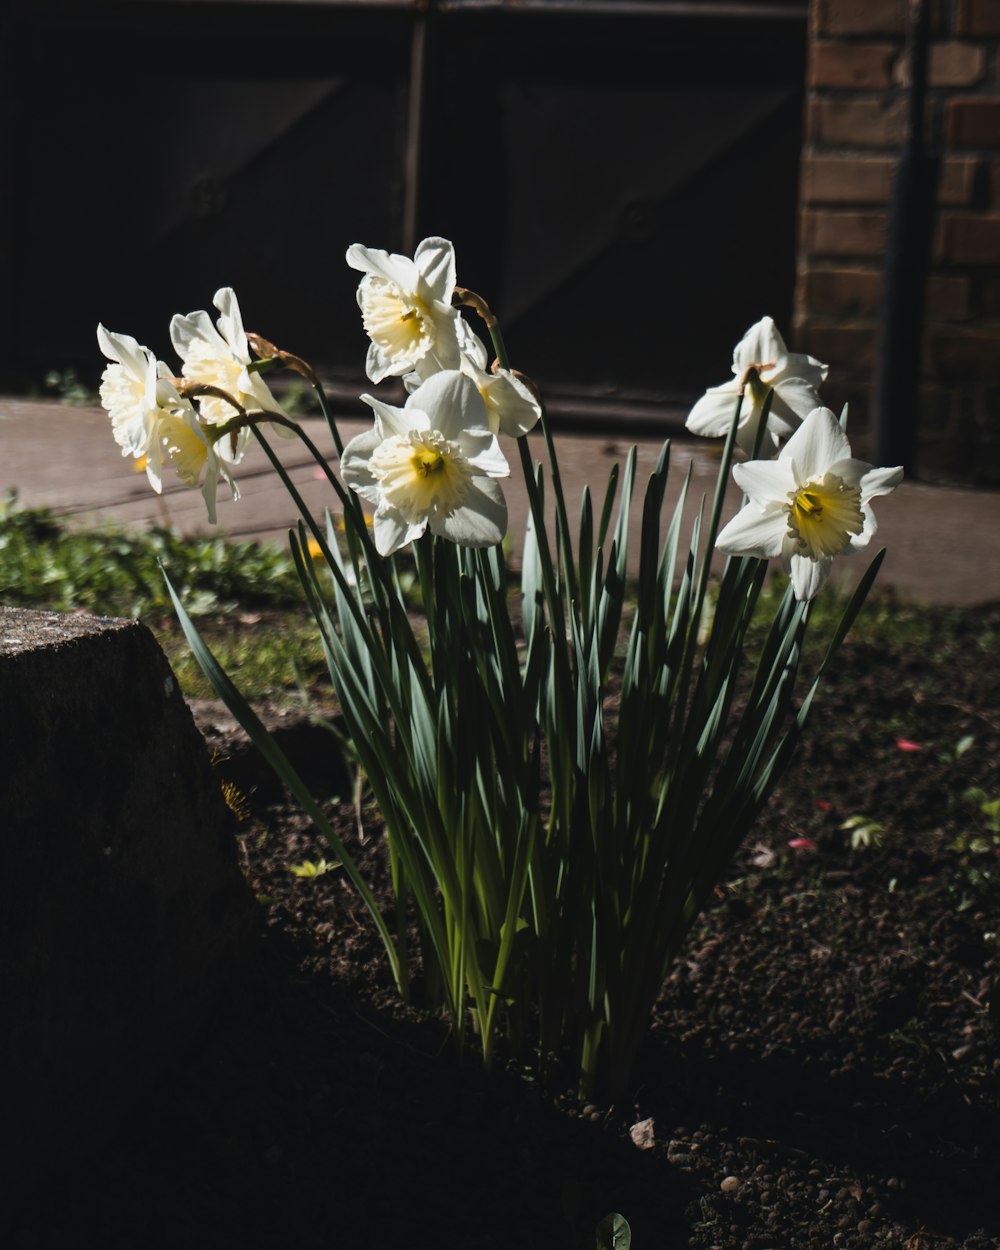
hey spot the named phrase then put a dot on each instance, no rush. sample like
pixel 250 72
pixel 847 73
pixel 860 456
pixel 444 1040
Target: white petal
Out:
pixel 126 351
pixel 472 345
pixel 511 405
pixel 391 421
pixel 765 481
pixel 808 575
pixel 880 482
pixel 196 325
pixel 816 444
pixel 746 431
pixel 756 532
pixel 435 259
pixel 482 519
pixel 452 403
pixel 377 364
pixel 489 459
pixel 354 467
pixel 796 365
pixel 761 345
pixel 398 269
pixel 797 397
pixel 391 531
pixel 852 472
pixel 875 482
pixel 231 323
pixel 712 416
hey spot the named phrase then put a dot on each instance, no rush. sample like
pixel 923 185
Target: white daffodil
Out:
pixel 431 463
pixel 149 418
pixel 810 504
pixel 218 355
pixel 761 362
pixel 511 408
pixel 129 390
pixel 407 311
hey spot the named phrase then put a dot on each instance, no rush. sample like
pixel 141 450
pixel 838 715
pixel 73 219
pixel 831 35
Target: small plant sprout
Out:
pixel 865 832
pixel 613 1233
pixel 563 768
pixel 309 870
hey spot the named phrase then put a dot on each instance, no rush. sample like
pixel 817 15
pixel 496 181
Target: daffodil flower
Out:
pixel 761 362
pixel 150 419
pixel 810 504
pixel 407 311
pixel 219 355
pixel 431 463
pixel 129 390
pixel 511 408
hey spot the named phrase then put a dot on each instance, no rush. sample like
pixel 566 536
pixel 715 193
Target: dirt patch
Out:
pixel 821 1068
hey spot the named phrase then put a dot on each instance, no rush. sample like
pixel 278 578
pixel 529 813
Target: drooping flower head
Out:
pixel 407 311
pixel 810 504
pixel 511 408
pixel 431 463
pixel 149 418
pixel 761 361
pixel 218 355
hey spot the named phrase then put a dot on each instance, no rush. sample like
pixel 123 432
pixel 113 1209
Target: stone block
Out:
pixel 126 915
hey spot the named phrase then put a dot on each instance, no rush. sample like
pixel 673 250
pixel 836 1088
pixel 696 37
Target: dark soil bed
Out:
pixel 822 1069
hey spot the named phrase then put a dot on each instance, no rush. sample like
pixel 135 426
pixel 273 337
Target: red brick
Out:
pixel 967 355
pixel 860 17
pixel 949 297
pixel 989 292
pixel 828 179
pixel 974 122
pixel 855 292
pixel 855 121
pixel 978 18
pixel 955 64
pixel 970 239
pixel 848 349
pixel 843 234
pixel 840 292
pixel 863 65
pixel 958 175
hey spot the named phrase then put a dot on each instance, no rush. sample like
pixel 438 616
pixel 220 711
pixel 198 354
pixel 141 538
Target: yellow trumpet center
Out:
pixel 398 322
pixel 421 473
pixel 823 515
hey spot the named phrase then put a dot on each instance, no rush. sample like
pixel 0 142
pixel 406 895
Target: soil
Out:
pixel 821 1069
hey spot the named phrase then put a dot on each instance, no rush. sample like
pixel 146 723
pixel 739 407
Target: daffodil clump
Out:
pixel 552 843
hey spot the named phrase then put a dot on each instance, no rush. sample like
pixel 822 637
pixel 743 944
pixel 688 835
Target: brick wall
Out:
pixel 854 127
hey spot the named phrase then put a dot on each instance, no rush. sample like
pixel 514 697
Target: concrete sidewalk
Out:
pixel 943 542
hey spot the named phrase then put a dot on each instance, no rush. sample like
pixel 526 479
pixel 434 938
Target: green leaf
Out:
pixel 613 1233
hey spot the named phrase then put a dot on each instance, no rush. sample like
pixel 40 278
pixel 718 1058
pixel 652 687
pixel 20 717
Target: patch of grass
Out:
pixel 274 657
pixel 892 625
pixel 113 572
